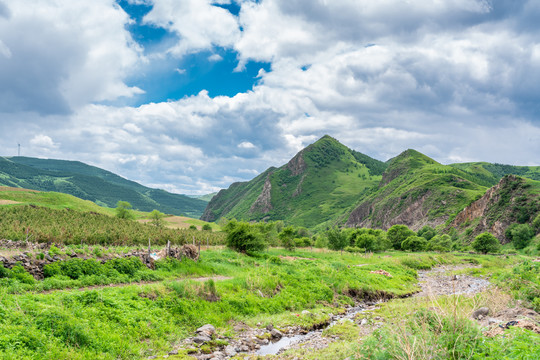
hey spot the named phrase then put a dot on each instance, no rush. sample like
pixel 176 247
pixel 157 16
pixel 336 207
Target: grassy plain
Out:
pixel 136 321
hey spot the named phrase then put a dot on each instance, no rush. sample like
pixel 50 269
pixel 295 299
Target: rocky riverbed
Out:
pixel 251 343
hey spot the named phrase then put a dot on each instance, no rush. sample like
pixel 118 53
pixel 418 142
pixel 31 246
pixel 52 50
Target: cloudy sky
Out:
pixel 192 95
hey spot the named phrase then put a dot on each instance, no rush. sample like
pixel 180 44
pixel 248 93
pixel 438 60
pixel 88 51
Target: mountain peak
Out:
pixel 408 160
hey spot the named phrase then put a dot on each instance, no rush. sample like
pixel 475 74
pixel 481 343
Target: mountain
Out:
pixel 92 183
pixel 416 190
pixel 319 185
pixel 490 174
pixel 513 200
pixel 329 184
pixel 206 197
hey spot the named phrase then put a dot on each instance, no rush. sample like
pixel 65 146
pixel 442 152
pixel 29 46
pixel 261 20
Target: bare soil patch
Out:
pixel 8 202
pixel 8 188
pixel 293 258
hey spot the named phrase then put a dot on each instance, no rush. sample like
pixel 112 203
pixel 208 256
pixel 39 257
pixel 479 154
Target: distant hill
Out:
pixel 329 184
pixel 320 185
pixel 205 197
pixel 415 190
pixel 92 183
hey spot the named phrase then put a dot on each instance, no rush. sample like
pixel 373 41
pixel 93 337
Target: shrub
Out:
pixel 414 243
pixel 207 227
pixel 242 237
pixel 287 238
pixel 427 232
pixel 520 234
pixel 192 227
pixel 128 266
pixel 486 243
pixel 441 243
pixel 18 272
pixel 397 234
pixel 53 250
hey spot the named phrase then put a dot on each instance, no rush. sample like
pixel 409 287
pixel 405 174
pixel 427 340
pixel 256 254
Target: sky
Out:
pixel 193 95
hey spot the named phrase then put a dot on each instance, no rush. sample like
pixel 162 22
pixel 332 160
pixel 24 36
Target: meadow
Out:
pixel 272 287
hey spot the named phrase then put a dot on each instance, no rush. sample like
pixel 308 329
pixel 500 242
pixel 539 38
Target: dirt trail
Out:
pixel 439 281
pixel 97 287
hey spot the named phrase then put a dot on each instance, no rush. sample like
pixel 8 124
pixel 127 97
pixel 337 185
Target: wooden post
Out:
pixel 199 257
pixel 207 243
pixel 149 249
pixel 194 240
pixel 168 248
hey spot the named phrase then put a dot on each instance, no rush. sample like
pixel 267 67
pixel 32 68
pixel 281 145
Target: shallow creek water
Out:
pixel 433 282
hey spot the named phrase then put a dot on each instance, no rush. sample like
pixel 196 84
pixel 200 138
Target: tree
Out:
pixel 156 218
pixel 414 243
pixel 397 234
pixel 367 241
pixel 486 243
pixel 536 223
pixel 287 238
pixel 336 239
pixel 242 237
pixel 521 235
pixel 123 210
pixel 441 243
pixel 427 232
pixel 207 227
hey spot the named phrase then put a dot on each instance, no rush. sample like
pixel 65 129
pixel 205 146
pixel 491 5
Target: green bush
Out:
pixel 486 243
pixel 18 272
pixel 241 236
pixel 520 234
pixel 397 234
pixel 207 227
pixel 128 266
pixel 441 243
pixel 414 243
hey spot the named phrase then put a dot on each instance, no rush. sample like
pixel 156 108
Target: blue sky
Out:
pixel 192 95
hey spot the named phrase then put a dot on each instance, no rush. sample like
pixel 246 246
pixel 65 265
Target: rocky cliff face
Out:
pixel 263 203
pixel 501 206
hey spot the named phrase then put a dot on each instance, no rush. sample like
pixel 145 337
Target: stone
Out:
pixel 364 322
pixel 276 334
pixel 269 327
pixel 206 330
pixel 480 313
pixel 306 312
pixel 173 352
pixel 201 339
pixel 230 350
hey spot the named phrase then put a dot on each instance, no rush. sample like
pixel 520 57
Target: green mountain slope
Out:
pixel 514 200
pixel 320 185
pixel 415 190
pixel 91 183
pixel 490 174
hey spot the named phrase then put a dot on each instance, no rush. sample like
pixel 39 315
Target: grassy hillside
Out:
pixel 318 186
pixel 514 200
pixel 416 190
pixel 91 183
pixel 52 200
pixel 490 174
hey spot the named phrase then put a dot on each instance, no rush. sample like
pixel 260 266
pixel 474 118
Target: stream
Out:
pixel 434 282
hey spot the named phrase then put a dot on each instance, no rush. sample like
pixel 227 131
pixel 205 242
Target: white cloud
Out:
pixel 198 24
pixel 246 145
pixel 59 55
pixel 43 142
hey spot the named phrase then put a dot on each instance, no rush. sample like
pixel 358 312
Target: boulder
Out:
pixel 206 330
pixel 480 313
pixel 276 334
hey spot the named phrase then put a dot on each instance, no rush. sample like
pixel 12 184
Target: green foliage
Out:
pixel 520 234
pixel 53 250
pixel 242 236
pixel 486 243
pixel 524 281
pixel 156 218
pixel 192 227
pixel 286 236
pixel 427 232
pixel 336 239
pixel 440 243
pixel 74 227
pixel 123 210
pixel 536 223
pixel 207 227
pixel 397 234
pixel 414 243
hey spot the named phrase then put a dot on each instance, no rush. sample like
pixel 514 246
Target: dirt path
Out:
pixel 439 281
pixel 97 287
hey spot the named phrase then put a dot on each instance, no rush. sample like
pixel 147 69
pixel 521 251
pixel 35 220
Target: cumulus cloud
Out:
pixel 455 80
pixel 63 54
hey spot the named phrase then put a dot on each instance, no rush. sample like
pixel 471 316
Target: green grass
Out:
pixel 126 322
